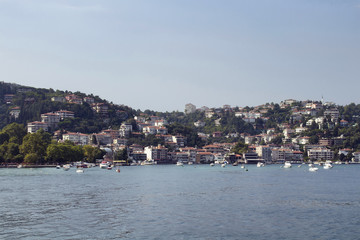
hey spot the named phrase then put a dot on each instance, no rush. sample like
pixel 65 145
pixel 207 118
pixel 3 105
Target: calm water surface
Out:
pixel 172 202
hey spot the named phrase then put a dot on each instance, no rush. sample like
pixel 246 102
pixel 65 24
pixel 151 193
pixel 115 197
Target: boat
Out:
pixel 327 165
pixel 260 164
pixel 287 165
pixel 313 169
pixel 19 166
pixel 109 168
pixel 104 164
pixel 179 164
pixel 117 170
pixel 148 162
pixel 212 164
pixel 235 164
pixel 58 167
pixel 190 163
pixel 66 167
pixel 223 165
pixel 80 170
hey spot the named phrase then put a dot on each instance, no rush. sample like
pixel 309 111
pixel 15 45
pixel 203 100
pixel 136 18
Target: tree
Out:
pixel 36 143
pixel 15 131
pixel 92 153
pixel 31 158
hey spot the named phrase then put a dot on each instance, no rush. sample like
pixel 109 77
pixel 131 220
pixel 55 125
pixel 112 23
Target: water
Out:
pixel 172 202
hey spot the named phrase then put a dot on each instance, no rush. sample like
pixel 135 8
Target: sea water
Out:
pixel 173 202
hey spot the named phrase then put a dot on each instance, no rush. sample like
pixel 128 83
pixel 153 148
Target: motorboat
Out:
pixel 104 164
pixel 260 164
pixel 327 165
pixel 66 167
pixel 58 167
pixel 80 170
pixel 190 163
pixel 179 164
pixel 109 167
pixel 287 165
pixel 212 164
pixel 117 170
pixel 242 166
pixel 223 165
pixel 19 166
pixel 148 162
pixel 235 164
pixel 313 169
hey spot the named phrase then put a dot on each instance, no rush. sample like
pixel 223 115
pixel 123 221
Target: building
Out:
pixel 77 138
pixel 190 108
pixel 51 119
pixel 320 154
pixel 33 127
pixel 158 154
pixel 333 113
pixel 125 129
pixel 65 114
pixel 15 112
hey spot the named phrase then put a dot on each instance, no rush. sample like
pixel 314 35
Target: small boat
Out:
pixel 190 163
pixel 19 166
pixel 223 165
pixel 287 165
pixel 179 164
pixel 212 164
pixel 242 166
pixel 58 167
pixel 327 165
pixel 66 167
pixel 235 164
pixel 109 168
pixel 260 164
pixel 80 170
pixel 104 164
pixel 117 170
pixel 313 169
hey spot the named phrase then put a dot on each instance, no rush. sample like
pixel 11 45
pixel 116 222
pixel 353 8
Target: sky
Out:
pixel 161 54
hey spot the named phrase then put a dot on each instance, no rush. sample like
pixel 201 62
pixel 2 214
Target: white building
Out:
pixel 33 127
pixel 77 138
pixel 190 108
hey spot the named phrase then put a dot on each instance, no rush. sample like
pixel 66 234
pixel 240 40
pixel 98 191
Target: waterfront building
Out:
pixel 320 154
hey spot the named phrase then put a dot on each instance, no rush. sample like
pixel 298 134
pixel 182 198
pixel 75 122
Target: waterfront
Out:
pixel 172 202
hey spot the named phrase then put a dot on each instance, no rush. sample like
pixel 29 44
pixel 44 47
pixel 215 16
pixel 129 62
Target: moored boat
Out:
pixel 287 165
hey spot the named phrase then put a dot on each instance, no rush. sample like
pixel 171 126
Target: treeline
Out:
pixel 17 146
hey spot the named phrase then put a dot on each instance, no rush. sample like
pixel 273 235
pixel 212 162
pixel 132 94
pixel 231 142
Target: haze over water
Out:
pixel 172 202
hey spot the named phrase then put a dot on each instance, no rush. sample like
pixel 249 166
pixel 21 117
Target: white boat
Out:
pixel 260 164
pixel 313 169
pixel 66 167
pixel 223 165
pixel 104 164
pixel 80 170
pixel 148 162
pixel 242 166
pixel 212 164
pixel 19 166
pixel 287 165
pixel 327 165
pixel 190 163
pixel 179 164
pixel 58 167
pixel 117 170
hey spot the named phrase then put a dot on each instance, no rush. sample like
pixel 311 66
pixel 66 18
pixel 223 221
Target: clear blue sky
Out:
pixel 162 54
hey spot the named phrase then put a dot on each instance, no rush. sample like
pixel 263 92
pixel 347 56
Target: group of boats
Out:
pixel 81 166
pixel 312 166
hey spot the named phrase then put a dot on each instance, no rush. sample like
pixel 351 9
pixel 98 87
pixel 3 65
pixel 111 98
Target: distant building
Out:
pixel 77 138
pixel 33 127
pixel 190 108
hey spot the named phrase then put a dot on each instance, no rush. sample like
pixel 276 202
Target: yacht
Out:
pixel 179 164
pixel 66 167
